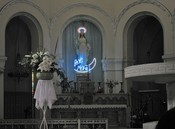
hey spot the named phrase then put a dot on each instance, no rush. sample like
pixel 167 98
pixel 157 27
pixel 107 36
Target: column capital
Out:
pixel 112 64
pixel 168 57
pixel 2 63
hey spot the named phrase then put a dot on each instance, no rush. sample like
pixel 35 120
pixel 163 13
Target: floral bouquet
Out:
pixel 41 61
pixel 111 83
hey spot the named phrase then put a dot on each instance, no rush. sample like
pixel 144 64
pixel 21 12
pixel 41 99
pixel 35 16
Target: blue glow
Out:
pixel 80 68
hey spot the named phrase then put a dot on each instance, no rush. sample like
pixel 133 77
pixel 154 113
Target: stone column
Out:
pixel 113 70
pixel 170 95
pixel 2 64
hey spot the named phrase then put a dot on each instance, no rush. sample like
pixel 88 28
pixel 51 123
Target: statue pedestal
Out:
pixel 84 84
pixel 82 77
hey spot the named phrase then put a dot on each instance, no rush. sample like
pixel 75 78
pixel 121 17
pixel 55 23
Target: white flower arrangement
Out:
pixel 41 61
pixel 111 83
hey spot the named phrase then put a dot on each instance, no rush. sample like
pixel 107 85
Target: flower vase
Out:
pixel 44 75
pixel 110 90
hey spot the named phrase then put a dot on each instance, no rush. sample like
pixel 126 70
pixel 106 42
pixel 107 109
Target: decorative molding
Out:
pixel 86 5
pixel 173 22
pixel 153 2
pixel 128 62
pixel 169 57
pixel 65 121
pixel 150 69
pixel 14 2
pixel 112 64
pixel 92 106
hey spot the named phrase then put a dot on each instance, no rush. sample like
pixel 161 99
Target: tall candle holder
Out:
pixel 100 88
pixel 121 90
pixel 110 85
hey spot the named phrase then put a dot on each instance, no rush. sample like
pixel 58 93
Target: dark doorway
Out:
pixel 17 88
pixel 148 98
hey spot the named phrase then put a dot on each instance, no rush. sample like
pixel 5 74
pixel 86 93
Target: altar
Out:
pixel 112 107
pixel 89 104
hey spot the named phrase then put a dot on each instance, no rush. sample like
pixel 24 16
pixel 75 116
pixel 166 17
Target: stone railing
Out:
pixel 154 72
pixel 150 69
pixel 99 99
pixel 54 123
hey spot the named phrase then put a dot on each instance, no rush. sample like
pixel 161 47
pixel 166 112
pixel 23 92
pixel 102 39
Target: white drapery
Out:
pixel 45 96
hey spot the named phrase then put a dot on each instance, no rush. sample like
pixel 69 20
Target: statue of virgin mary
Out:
pixel 82 46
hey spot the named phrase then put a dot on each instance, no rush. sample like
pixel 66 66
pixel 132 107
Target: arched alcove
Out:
pixel 94 38
pixel 21 37
pixel 144 39
pixel 37 23
pixel 147 40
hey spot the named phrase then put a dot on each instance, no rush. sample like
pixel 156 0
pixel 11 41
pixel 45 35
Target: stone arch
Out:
pixel 129 33
pixel 33 16
pixel 132 14
pixel 58 45
pixel 68 58
pixel 65 16
pixel 74 18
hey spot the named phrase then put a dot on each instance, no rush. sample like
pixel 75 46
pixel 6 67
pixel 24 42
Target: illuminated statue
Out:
pixel 82 46
pixel 82 50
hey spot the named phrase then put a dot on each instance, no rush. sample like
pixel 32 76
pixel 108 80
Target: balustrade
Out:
pixel 55 123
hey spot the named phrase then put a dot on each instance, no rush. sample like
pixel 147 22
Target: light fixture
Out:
pixel 19 71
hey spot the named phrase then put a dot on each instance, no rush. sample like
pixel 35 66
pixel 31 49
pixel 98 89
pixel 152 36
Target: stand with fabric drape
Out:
pixel 45 96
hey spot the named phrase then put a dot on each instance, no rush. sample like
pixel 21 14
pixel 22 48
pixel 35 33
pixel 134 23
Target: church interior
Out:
pixel 116 62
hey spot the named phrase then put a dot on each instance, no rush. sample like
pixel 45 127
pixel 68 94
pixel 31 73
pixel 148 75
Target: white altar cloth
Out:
pixel 44 94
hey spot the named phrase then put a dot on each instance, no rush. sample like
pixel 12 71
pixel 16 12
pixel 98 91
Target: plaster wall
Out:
pixel 111 17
